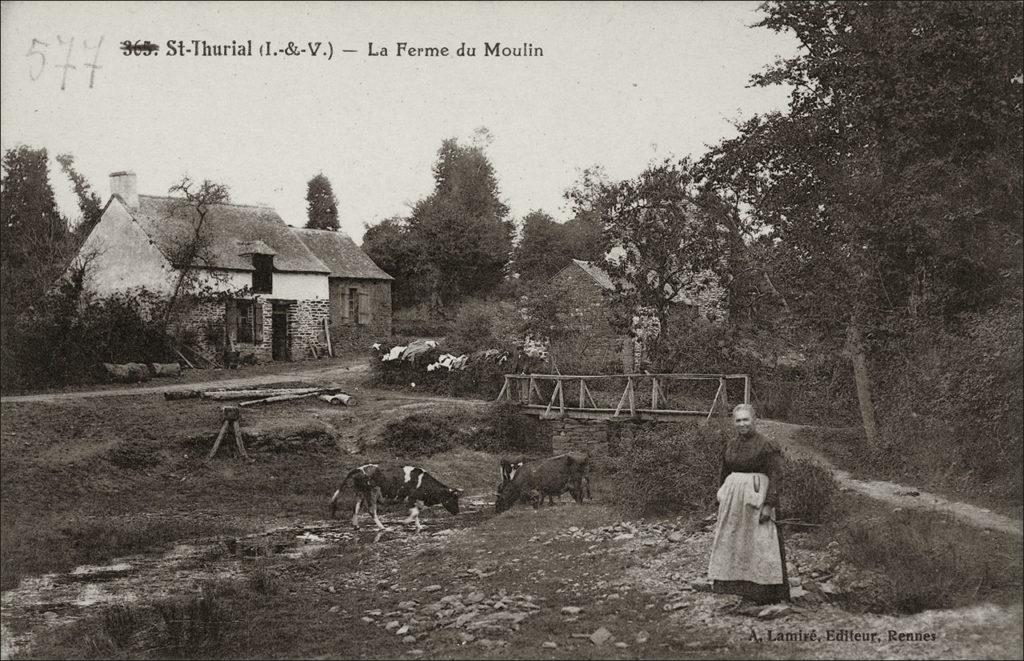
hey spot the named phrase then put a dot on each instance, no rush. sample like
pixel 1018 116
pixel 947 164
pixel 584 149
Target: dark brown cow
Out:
pixel 509 467
pixel 415 486
pixel 543 477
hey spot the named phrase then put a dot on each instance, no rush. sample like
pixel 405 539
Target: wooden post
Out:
pixel 721 387
pixel 632 397
pixel 557 391
pixel 504 389
pixel 746 389
pixel 529 391
pixel 561 399
pixel 327 336
pixel 654 394
pixel 232 414
pixel 582 388
pixel 590 396
pixel 622 400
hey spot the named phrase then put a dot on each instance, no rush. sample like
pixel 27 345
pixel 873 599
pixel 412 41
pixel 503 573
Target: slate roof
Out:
pixel 341 254
pixel 234 230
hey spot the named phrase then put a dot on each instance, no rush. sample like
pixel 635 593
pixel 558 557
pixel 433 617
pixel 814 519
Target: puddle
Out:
pixel 50 600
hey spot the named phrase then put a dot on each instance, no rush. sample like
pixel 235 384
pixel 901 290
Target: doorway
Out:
pixel 279 331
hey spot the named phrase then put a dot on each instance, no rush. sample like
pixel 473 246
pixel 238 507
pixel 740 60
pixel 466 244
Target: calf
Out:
pixel 415 486
pixel 543 477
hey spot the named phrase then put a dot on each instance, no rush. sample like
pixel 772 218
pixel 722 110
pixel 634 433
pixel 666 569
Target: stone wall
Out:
pixel 205 323
pixel 349 334
pixel 306 325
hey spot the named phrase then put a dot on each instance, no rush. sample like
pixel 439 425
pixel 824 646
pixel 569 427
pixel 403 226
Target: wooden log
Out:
pixel 281 398
pixel 182 356
pixel 238 439
pixel 255 393
pixel 183 394
pixel 504 389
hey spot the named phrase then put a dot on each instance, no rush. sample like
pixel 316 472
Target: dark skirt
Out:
pixel 756 592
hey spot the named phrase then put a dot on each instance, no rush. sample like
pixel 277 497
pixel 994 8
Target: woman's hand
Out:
pixel 767 511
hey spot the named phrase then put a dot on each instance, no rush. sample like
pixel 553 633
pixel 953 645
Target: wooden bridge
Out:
pixel 634 403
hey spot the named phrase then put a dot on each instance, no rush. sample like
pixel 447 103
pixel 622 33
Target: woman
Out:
pixel 748 557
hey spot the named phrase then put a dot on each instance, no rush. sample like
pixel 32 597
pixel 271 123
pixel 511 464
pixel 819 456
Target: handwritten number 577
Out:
pixel 37 52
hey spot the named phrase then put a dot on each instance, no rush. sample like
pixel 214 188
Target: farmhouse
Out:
pixel 248 281
pixel 360 292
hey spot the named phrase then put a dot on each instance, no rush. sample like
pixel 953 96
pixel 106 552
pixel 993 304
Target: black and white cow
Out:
pixel 409 484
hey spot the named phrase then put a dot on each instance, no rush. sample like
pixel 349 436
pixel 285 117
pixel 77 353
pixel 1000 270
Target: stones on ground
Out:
pixel 642 637
pixel 775 611
pixel 621 644
pixel 675 605
pixel 549 644
pixel 407 605
pixel 797 592
pixel 475 597
pixel 408 640
pixel 334 609
pixel 600 637
pixel 366 619
pixel 623 536
pixel 676 537
pixel 404 629
pixel 432 588
pixel 393 624
pixel 571 610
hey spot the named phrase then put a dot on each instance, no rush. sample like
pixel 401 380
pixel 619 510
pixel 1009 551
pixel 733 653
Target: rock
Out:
pixel 432 588
pixel 416 652
pixel 375 613
pixel 676 537
pixel 409 640
pixel 797 592
pixel 475 597
pixel 795 581
pixel 571 610
pixel 613 596
pixel 674 606
pixel 404 629
pixel 485 642
pixel 461 620
pixel 466 637
pixel 775 611
pixel 366 619
pixel 828 588
pixel 621 644
pixel 642 637
pixel 623 536
pixel 600 637
pixel 393 624
pixel 549 645
pixel 334 609
pixel 407 605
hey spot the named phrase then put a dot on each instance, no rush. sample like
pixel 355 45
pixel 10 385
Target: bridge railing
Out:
pixel 526 389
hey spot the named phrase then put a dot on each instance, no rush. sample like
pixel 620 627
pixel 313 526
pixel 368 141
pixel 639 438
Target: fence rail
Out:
pixel 523 387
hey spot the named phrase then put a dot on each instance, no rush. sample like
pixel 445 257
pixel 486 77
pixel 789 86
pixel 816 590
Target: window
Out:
pixel 263 276
pixel 245 321
pixel 353 305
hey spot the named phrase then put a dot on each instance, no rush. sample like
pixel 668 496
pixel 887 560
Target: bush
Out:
pixel 808 491
pixel 503 429
pixel 480 378
pixel 194 627
pixel 483 325
pixel 670 467
pixel 930 561
pixel 420 435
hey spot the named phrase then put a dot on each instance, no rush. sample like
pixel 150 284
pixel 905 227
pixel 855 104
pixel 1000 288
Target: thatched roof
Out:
pixel 341 254
pixel 233 233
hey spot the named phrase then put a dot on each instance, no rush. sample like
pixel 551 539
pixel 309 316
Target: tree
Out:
pixel 661 233
pixel 542 250
pixel 891 188
pixel 463 227
pixel 321 205
pixel 35 247
pixel 395 249
pixel 89 203
pixel 191 249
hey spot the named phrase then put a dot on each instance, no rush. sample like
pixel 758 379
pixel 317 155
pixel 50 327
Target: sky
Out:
pixel 617 85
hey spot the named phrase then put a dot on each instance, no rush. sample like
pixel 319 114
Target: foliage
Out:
pixel 89 203
pixel 547 246
pixel 36 246
pixel 483 325
pixel 929 560
pixel 662 232
pixel 321 205
pixel 502 428
pixel 480 378
pixel 419 435
pixel 808 491
pixel 670 467
pixel 399 251
pixel 79 332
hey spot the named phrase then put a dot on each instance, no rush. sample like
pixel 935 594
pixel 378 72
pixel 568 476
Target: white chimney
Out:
pixel 123 184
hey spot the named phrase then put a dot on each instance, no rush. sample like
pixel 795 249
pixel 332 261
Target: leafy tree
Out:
pixel 547 246
pixel 394 248
pixel 662 235
pixel 89 203
pixel 321 205
pixel 35 246
pixel 891 188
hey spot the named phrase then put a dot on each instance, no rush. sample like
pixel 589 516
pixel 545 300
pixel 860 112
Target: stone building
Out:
pixel 360 292
pixel 246 280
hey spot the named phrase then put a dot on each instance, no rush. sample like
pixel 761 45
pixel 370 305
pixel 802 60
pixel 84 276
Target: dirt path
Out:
pixel 345 368
pixel 899 495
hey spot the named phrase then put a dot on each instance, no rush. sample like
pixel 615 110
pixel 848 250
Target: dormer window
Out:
pixel 263 276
